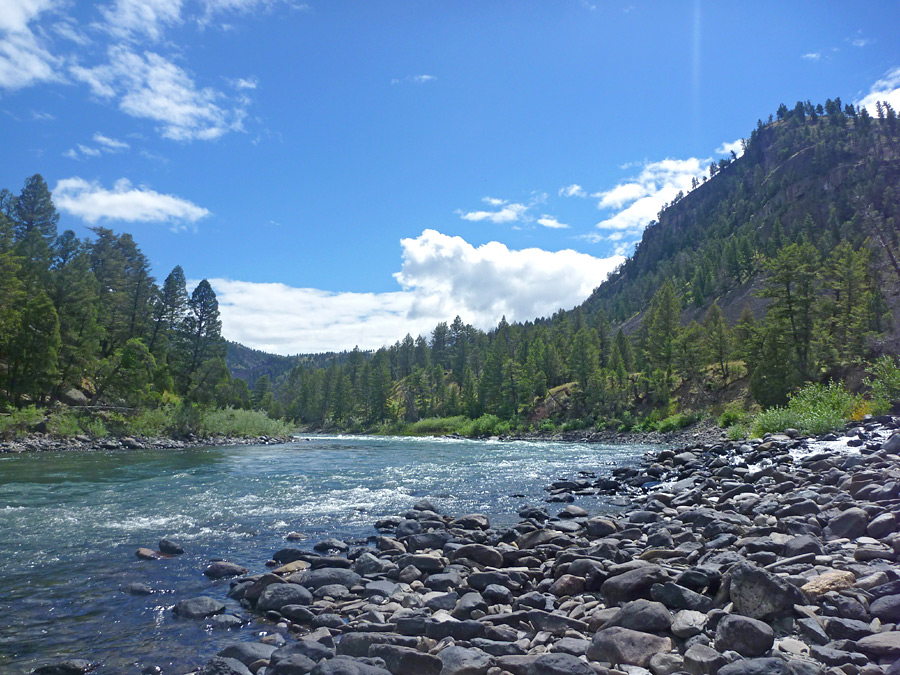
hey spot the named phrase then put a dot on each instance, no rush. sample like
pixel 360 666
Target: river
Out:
pixel 70 524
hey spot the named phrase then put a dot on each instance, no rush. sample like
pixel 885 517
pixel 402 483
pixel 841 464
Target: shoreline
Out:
pixel 736 558
pixel 37 443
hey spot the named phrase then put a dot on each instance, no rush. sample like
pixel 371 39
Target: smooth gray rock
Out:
pixel 357 644
pixel 886 608
pixel 327 576
pixel 69 667
pixel 296 664
pixel 634 584
pixel 223 570
pixel 198 608
pixel 771 666
pixel 559 664
pixel 625 646
pixel 746 636
pixel 850 523
pixel 406 660
pixel 344 665
pixel 248 652
pixel 461 661
pixel 276 596
pixel 702 660
pixel 645 615
pixel 219 665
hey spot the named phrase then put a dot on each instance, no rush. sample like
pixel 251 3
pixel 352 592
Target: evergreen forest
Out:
pixel 776 272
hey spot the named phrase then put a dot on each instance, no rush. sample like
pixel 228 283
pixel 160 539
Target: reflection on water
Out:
pixel 71 522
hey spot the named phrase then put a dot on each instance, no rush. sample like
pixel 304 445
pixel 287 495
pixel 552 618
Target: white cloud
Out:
pixel 150 18
pixel 92 203
pixel 812 56
pixel 245 83
pixel 885 89
pixel 110 144
pixel 24 59
pixel 151 87
pixel 42 116
pixel 551 222
pixel 441 276
pixel 414 79
pixel 573 190
pixel 639 200
pixel 737 147
pixel 88 151
pixel 505 213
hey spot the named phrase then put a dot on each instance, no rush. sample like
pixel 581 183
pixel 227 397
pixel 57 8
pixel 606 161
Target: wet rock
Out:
pixel 198 608
pixel 471 521
pixel 147 554
pixel 342 665
pixel 625 646
pixel 219 665
pixel 746 636
pixel 248 652
pixel 222 570
pixel 226 622
pixel 276 596
pixel 312 650
pixel 170 547
pixel 69 667
pixel 330 544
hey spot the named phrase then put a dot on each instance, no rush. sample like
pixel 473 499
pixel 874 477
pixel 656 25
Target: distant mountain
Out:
pixel 250 364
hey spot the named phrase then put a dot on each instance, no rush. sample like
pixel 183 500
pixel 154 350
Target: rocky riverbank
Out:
pixel 774 556
pixel 46 443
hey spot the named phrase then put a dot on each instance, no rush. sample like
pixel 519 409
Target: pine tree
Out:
pixel 717 340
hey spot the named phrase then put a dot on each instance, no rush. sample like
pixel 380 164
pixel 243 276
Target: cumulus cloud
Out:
pixel 150 86
pixel 573 190
pixel 737 147
pixel 440 277
pixel 505 212
pixel 92 202
pixel 24 57
pixel 551 222
pixel 885 89
pixel 638 200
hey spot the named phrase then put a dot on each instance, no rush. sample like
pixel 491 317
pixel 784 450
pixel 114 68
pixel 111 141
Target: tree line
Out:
pixel 88 316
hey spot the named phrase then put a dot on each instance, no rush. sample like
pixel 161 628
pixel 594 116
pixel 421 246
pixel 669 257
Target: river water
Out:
pixel 70 524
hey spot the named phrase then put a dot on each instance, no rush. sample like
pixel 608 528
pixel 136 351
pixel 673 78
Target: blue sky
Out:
pixel 345 172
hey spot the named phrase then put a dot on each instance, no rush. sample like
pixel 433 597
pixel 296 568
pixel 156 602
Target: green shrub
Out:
pixel 733 414
pixel 63 423
pixel 20 422
pixel 437 426
pixel 884 381
pixel 94 427
pixel 486 425
pixel 238 422
pixel 676 422
pixel 736 432
pixel 815 409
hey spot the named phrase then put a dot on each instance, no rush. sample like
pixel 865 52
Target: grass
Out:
pixel 815 409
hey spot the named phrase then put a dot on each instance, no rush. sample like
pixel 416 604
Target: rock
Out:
pixel 367 564
pixel 625 646
pixel 597 528
pixel 880 645
pixel 688 623
pixel 882 526
pixel 770 666
pixel 170 547
pixel 892 445
pixel 69 667
pixel 406 660
pixel 226 622
pixel 138 589
pixel 850 523
pixel 357 644
pixel 219 665
pixel 424 562
pixel 834 580
pixel 461 661
pixel 567 584
pixel 328 576
pixel 223 570
pixel 471 521
pixel 644 615
pixel 248 652
pixel 312 650
pixel 343 665
pixel 702 660
pixel 484 555
pixel 633 585
pixel 761 595
pixel 886 608
pixel 678 597
pixel 559 664
pixel 296 664
pixel 147 554
pixel 330 544
pixel 573 646
pixel 746 636
pixel 198 608
pixel 276 596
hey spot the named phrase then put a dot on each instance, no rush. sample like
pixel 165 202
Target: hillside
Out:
pixel 833 178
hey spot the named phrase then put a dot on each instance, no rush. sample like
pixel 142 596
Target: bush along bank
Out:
pixel 776 556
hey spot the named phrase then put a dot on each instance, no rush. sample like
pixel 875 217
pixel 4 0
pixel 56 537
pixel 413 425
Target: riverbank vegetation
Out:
pixel 765 297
